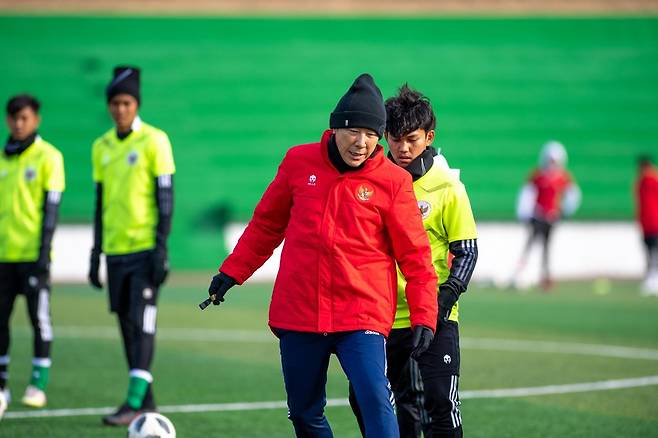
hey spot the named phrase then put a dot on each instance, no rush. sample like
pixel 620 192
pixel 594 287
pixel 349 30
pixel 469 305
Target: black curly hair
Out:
pixel 408 111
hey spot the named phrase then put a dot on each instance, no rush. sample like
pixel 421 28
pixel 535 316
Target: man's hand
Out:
pixel 447 298
pixel 160 266
pixel 94 267
pixel 421 341
pixel 219 285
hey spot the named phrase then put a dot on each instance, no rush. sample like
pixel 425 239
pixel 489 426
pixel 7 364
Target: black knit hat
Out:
pixel 124 81
pixel 361 107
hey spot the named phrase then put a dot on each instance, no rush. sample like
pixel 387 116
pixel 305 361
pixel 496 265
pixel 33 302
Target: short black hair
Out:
pixel 408 111
pixel 17 103
pixel 644 160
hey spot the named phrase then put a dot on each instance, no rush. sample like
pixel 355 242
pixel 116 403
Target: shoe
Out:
pixel 148 408
pixel 3 404
pixel 122 417
pixel 34 397
pixel 148 404
pixel 650 286
pixel 7 395
pixel 649 292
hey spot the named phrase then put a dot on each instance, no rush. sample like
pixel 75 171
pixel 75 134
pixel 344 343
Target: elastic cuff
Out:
pixel 43 362
pixel 141 374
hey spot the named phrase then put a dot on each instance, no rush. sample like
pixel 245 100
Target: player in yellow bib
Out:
pixel 31 185
pixel 426 387
pixel 133 169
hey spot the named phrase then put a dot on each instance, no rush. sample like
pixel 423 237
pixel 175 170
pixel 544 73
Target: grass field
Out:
pixel 226 355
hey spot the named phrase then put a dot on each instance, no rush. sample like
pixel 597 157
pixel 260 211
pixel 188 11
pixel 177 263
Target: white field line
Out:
pixel 558 348
pixel 252 406
pixel 256 336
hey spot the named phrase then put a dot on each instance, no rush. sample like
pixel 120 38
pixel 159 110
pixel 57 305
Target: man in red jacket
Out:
pixel 646 191
pixel 347 214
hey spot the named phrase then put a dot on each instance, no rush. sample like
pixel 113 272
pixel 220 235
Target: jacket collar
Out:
pixel 17 147
pixel 135 126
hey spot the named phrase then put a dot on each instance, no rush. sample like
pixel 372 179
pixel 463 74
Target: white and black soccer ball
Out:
pixel 151 425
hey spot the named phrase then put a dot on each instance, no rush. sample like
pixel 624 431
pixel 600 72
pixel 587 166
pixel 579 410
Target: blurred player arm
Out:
pixel 164 200
pixel 571 200
pixel 164 194
pixel 97 249
pixel 53 189
pixel 525 202
pixel 51 203
pixel 163 169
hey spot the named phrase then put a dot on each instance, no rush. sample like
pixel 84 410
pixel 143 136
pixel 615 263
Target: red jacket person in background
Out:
pixel 646 192
pixel 348 215
pixel 549 195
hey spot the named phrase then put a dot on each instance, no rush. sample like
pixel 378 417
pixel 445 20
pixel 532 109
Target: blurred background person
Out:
pixel 133 169
pixel 646 195
pixel 31 186
pixel 549 195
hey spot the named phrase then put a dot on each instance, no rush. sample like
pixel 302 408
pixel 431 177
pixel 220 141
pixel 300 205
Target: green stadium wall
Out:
pixel 234 93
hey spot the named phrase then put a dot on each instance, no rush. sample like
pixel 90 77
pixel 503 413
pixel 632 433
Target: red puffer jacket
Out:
pixel 343 234
pixel 647 201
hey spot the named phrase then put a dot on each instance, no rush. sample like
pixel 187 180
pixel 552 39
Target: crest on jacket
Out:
pixel 30 174
pixel 425 209
pixel 364 192
pixel 132 158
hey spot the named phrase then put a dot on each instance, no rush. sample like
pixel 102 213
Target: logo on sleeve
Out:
pixel 30 174
pixel 425 209
pixel 132 158
pixel 364 192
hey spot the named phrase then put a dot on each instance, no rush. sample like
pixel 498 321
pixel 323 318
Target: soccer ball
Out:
pixel 151 425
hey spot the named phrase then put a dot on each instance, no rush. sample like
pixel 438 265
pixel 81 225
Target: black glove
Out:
pixel 447 298
pixel 160 266
pixel 42 265
pixel 94 266
pixel 422 339
pixel 219 285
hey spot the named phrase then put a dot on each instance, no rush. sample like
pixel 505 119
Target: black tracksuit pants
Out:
pixel 15 279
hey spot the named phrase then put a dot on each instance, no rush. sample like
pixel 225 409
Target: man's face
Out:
pixel 355 145
pixel 123 108
pixel 23 124
pixel 406 148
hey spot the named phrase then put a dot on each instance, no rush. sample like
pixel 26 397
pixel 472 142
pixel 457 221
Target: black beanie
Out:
pixel 361 107
pixel 124 81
